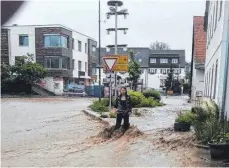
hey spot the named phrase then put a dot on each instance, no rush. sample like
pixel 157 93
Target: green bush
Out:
pixel 136 98
pixel 187 117
pixel 152 93
pixel 106 102
pixel 98 106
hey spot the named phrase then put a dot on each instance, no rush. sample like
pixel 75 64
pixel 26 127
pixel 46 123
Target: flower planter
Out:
pixel 219 151
pixel 178 126
pixel 170 92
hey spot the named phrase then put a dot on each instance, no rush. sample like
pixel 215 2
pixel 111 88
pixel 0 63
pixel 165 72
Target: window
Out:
pixel 174 60
pixel 85 47
pixel 211 28
pixel 55 41
pixel 79 65
pixel 216 14
pixel 215 82
pixel 54 62
pixel 163 60
pixel 212 80
pixel 64 63
pixel 79 46
pixel 220 8
pixel 152 71
pixel 73 43
pixel 23 40
pixel 168 70
pixel 162 82
pixel 209 79
pixel 93 48
pixel 86 67
pixel 213 22
pixel 73 64
pixel 163 71
pixel 153 60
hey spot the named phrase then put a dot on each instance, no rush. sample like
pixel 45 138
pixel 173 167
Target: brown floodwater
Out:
pixel 55 132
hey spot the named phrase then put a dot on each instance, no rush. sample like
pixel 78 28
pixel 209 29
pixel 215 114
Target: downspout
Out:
pixel 226 66
pixel 191 75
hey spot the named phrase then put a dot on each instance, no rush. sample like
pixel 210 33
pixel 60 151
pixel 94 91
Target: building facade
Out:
pixel 198 56
pixel 154 64
pixel 216 64
pixel 67 55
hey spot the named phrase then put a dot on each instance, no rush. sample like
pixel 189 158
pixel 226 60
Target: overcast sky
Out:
pixel 148 20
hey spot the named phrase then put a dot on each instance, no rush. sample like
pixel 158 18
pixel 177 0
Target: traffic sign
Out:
pixel 110 77
pixel 110 62
pixel 121 64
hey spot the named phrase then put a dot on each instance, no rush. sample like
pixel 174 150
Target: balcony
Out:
pixel 200 63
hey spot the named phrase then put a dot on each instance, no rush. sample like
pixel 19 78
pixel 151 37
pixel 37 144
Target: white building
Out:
pixel 154 64
pixel 68 56
pixel 198 56
pixel 216 65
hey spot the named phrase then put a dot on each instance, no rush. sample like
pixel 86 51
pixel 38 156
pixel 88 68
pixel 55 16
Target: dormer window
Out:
pixel 174 60
pixel 163 60
pixel 153 60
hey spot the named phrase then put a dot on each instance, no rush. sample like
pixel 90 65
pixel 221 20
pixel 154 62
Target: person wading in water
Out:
pixel 123 109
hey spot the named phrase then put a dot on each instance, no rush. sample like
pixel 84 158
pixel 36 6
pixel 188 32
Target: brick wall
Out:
pixel 199 39
pixel 41 51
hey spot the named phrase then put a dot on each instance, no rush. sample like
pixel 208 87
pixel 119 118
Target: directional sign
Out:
pixel 121 64
pixel 110 77
pixel 110 62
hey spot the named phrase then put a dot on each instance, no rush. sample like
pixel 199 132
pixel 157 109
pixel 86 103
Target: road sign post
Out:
pixel 110 63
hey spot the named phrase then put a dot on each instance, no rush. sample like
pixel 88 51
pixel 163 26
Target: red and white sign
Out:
pixel 110 62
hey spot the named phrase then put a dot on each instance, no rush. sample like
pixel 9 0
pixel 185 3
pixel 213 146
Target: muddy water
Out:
pixel 54 132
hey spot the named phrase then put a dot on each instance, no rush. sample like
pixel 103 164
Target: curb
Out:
pixel 96 116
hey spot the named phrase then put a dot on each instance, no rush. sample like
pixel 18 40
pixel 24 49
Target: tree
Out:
pixel 26 70
pixel 169 80
pixel 159 46
pixel 134 71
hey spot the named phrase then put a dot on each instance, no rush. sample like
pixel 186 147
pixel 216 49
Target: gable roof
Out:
pixel 142 54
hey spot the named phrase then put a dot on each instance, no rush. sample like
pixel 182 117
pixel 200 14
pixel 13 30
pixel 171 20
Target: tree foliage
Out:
pixel 24 70
pixel 134 71
pixel 159 46
pixel 169 80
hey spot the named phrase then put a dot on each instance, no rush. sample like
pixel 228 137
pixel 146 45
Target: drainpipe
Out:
pixel 226 66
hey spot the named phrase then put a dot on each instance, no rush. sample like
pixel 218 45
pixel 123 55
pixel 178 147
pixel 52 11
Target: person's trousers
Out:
pixel 119 118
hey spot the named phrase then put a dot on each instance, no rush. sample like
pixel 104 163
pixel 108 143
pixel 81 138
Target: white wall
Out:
pixel 215 47
pixel 80 56
pixel 49 84
pixel 154 79
pixel 197 81
pixel 15 49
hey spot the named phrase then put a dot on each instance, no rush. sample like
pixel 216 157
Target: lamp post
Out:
pixel 99 55
pixel 114 4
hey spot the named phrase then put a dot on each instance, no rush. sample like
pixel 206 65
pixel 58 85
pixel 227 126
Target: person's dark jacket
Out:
pixel 120 109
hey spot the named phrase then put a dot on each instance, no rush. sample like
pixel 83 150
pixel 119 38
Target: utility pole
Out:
pixel 99 54
pixel 114 4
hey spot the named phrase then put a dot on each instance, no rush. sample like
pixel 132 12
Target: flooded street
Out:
pixel 55 132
